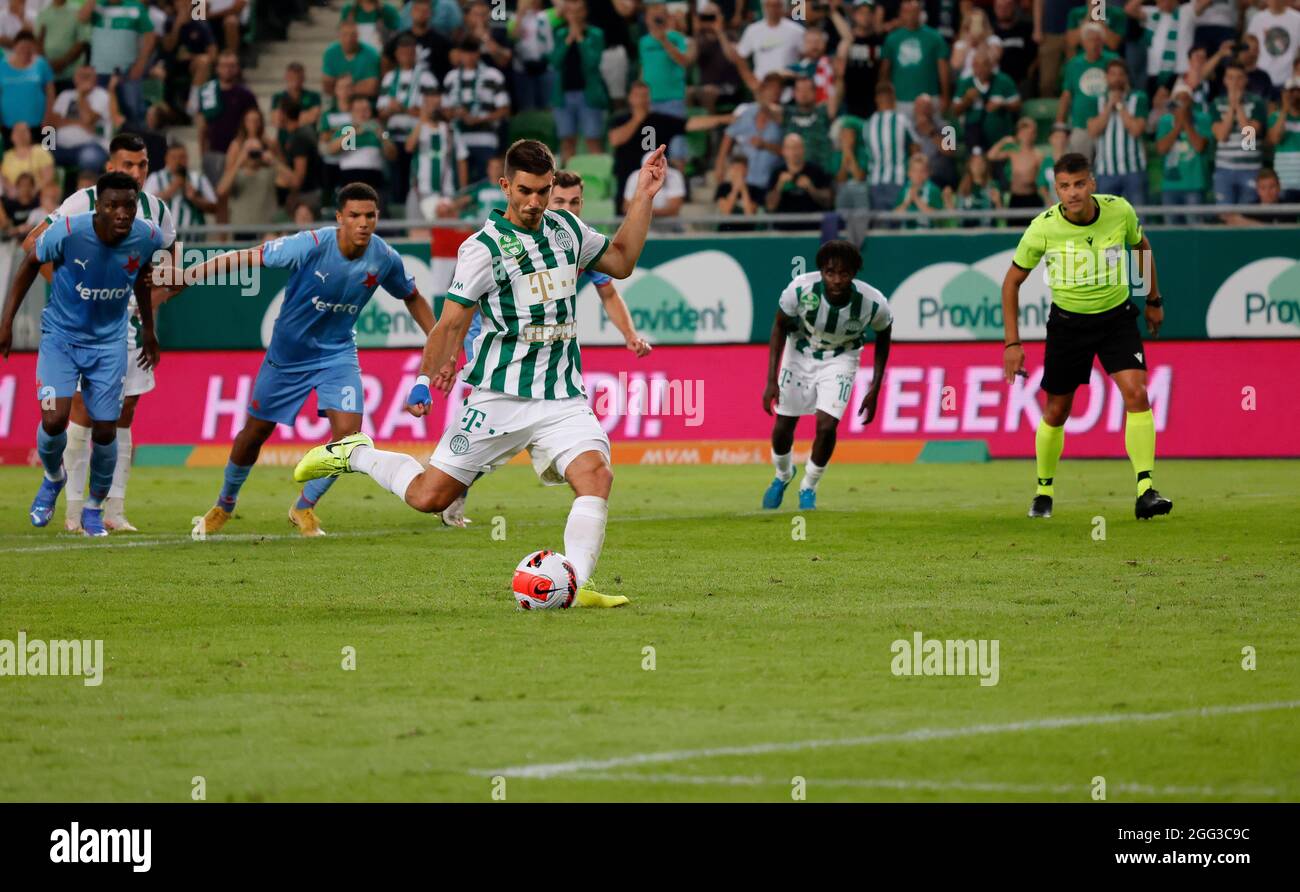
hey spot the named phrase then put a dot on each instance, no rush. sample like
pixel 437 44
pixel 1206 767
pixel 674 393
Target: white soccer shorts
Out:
pixel 492 428
pixel 809 385
pixel 138 380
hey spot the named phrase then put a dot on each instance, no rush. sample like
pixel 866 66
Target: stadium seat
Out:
pixel 536 124
pixel 1043 111
pixel 599 209
pixel 597 173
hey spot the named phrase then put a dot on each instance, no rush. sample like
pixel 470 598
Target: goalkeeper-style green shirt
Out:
pixel 1087 263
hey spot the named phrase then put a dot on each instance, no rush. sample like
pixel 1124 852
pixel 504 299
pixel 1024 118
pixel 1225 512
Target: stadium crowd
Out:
pixel 766 107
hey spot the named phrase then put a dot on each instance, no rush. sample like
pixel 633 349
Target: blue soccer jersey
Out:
pixel 325 294
pixel 93 281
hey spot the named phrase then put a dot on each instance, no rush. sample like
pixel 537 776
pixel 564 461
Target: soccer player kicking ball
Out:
pixel 99 260
pixel 521 270
pixel 1086 240
pixel 126 154
pixel 821 324
pixel 335 271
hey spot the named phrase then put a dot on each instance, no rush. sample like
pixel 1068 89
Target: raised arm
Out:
pixel 624 250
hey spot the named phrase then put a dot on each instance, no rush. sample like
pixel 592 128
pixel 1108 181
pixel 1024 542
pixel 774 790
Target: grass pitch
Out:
pixel 1120 658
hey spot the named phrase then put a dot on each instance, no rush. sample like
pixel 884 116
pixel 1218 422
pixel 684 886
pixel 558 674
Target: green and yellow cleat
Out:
pixel 329 460
pixel 588 598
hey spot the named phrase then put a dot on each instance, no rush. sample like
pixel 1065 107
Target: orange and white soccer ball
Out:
pixel 545 580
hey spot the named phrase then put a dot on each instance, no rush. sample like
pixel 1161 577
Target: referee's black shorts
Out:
pixel 1073 339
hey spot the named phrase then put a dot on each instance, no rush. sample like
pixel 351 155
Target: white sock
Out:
pixel 394 471
pixel 811 474
pixel 76 460
pixel 584 534
pixel 122 470
pixel 784 465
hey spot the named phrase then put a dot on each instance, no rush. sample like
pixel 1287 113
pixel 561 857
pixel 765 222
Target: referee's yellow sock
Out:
pixel 1140 441
pixel 1048 443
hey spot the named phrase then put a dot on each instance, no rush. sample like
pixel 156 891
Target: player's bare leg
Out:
pixel 76 461
pixel 592 479
pixel 1140 442
pixel 115 504
pixel 823 447
pixel 1048 442
pixel 243 455
pixel 782 445
pixel 302 513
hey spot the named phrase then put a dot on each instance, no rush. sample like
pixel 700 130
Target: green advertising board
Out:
pixel 942 286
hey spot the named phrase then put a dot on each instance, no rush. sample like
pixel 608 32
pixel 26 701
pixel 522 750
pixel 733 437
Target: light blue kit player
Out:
pixel 335 271
pixel 100 259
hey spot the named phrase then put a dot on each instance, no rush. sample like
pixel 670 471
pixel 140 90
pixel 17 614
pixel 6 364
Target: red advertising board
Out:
pixel 1210 399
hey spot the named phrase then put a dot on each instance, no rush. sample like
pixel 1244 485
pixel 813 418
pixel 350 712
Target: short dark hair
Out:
pixel 1071 162
pixel 530 156
pixel 1233 64
pixel 357 192
pixel 24 34
pixel 1267 173
pixel 469 45
pixel 839 253
pixel 567 179
pixel 126 142
pixel 295 66
pixel 116 180
pixel 1113 63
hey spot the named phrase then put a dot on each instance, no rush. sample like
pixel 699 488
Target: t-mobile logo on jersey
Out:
pixel 473 419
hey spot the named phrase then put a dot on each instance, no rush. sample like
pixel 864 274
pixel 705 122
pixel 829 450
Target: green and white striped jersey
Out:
pixel 525 283
pixel 149 208
pixel 433 165
pixel 1118 151
pixel 402 90
pixel 887 135
pixel 827 330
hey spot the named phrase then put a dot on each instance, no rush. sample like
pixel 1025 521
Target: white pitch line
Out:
pixel 911 784
pixel 85 543
pixel 917 735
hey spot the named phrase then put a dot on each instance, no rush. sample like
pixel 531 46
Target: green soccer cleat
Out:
pixel 329 460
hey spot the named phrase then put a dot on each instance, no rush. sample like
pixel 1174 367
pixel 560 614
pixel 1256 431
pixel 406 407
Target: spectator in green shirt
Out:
pixel 308 101
pixel 915 60
pixel 122 40
pixel 1284 137
pixel 579 98
pixel 1184 138
pixel 987 101
pixel 1084 84
pixel 375 20
pixel 1116 24
pixel 666 55
pixel 922 195
pixel 810 121
pixel 348 55
pixel 63 39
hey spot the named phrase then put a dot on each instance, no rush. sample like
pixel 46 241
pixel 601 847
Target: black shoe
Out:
pixel 1151 504
pixel 1042 507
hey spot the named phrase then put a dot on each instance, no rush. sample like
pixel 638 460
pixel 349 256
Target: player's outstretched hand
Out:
pixel 653 173
pixel 1013 362
pixel 770 394
pixel 1155 318
pixel 151 352
pixel 640 346
pixel 868 407
pixel 419 401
